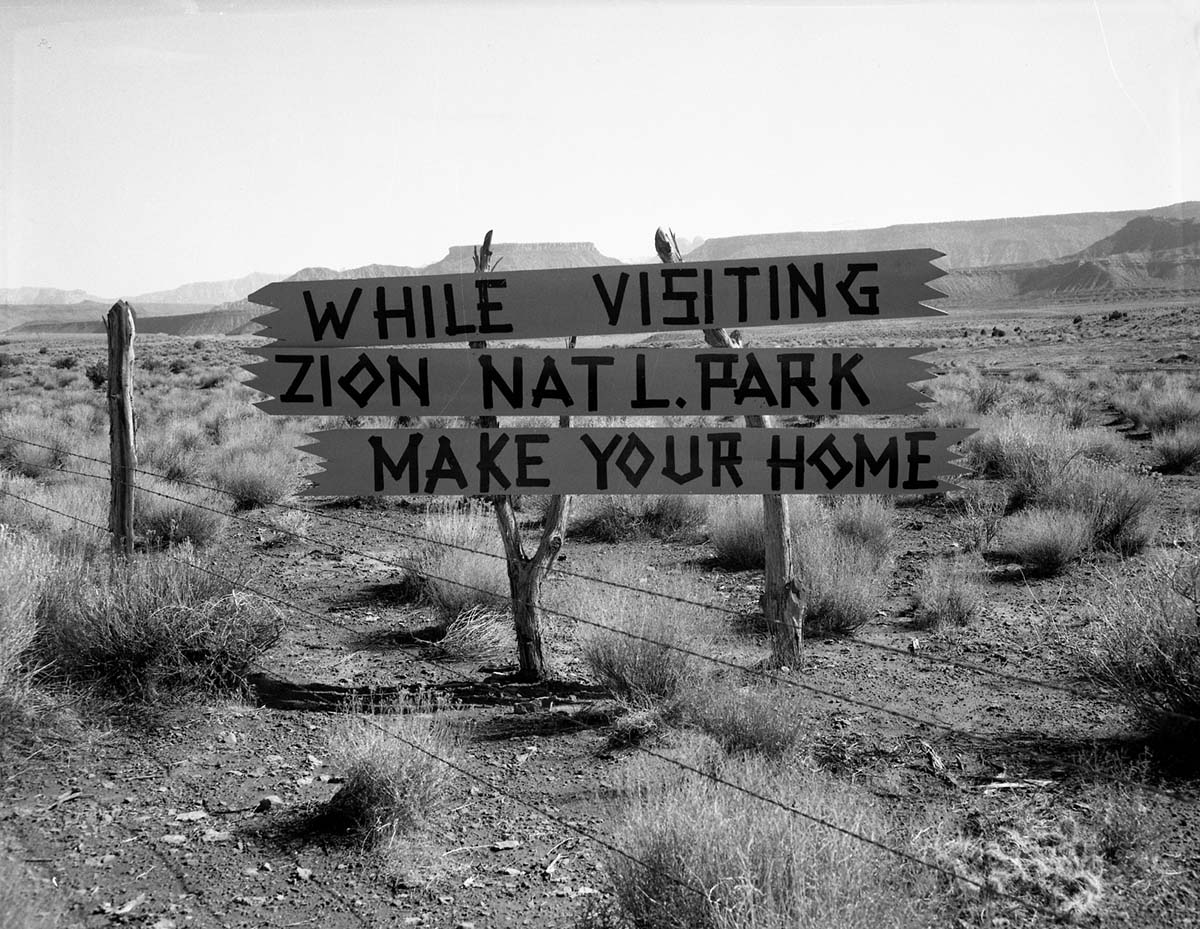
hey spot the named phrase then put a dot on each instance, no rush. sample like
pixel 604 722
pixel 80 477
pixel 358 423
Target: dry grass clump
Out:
pixel 254 477
pixel 1118 505
pixel 154 624
pixel 1045 541
pixel 1179 450
pixel 749 863
pixel 462 563
pixel 744 720
pixel 1143 644
pixel 842 562
pixel 32 460
pixel 475 634
pixel 1027 451
pixel 165 515
pixel 735 531
pixel 1159 404
pixel 26 564
pixel 948 594
pixel 392 783
pixel 83 502
pixel 1047 858
pixel 657 516
pixel 642 654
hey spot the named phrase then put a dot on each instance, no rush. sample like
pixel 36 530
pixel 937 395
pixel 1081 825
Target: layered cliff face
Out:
pixel 967 244
pixel 1147 253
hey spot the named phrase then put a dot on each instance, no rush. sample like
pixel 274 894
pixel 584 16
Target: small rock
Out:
pixel 273 759
pixel 505 845
pixel 216 835
pixel 164 923
pixel 464 925
pixel 266 804
pixel 229 738
pixel 173 839
pixel 303 874
pixel 191 817
pixel 315 762
pixel 997 332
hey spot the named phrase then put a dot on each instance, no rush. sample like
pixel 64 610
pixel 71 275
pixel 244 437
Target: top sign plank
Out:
pixel 619 299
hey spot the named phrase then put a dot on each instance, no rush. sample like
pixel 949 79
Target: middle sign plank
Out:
pixel 620 299
pixel 624 382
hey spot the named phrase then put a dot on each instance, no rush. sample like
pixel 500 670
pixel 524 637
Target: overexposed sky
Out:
pixel 148 144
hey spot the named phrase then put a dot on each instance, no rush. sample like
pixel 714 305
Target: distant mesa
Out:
pixel 1019 259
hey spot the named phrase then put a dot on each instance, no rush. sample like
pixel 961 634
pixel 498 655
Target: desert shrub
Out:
pixel 475 634
pixel 25 565
pixel 1118 505
pixel 174 449
pixel 735 531
pixel 658 516
pixel 1159 407
pixel 642 652
pixel 1144 644
pixel 745 720
pixel 461 564
pixel 166 515
pixel 1179 450
pixel 391 781
pixel 97 374
pixel 948 594
pixel 757 865
pixel 1027 452
pixel 255 478
pixel 65 363
pixel 1044 541
pixel 840 577
pixel 154 625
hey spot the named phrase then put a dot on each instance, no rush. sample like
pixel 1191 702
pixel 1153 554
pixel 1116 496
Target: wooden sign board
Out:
pixel 634 461
pixel 623 382
pixel 620 299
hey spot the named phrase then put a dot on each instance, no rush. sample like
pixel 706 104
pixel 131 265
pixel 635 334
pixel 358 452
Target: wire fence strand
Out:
pixel 921 655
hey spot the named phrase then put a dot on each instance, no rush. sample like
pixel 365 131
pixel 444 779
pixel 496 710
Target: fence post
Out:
pixel 781 604
pixel 123 460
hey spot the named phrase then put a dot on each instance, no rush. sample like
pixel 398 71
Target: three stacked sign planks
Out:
pixel 376 347
pixel 328 358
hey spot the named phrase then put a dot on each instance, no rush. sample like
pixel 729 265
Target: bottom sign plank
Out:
pixel 633 461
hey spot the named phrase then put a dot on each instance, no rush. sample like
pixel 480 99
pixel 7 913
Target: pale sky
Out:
pixel 148 144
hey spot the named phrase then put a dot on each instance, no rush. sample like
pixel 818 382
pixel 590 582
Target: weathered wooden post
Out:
pixel 123 459
pixel 781 605
pixel 525 572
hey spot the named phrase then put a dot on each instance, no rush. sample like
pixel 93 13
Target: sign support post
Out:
pixel 781 605
pixel 525 572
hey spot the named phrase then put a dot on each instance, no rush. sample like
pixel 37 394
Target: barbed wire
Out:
pixel 566 572
pixel 609 846
pixel 670 646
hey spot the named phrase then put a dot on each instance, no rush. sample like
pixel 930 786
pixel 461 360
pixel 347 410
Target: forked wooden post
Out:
pixel 525 572
pixel 123 460
pixel 781 604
